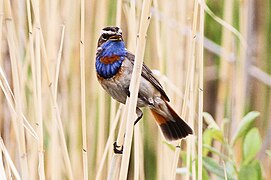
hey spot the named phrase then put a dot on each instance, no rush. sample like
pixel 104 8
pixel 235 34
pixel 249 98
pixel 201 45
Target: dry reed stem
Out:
pixel 17 89
pixel 157 36
pixel 175 160
pixel 118 15
pixel 189 89
pixel 101 20
pixel 9 161
pixel 59 61
pixel 225 67
pixel 131 45
pixel 134 87
pixel 239 35
pixel 116 159
pixel 38 89
pixel 62 108
pixel 2 169
pixel 55 166
pixel 83 91
pixel 12 101
pixel 1 27
pixel 225 72
pixel 136 152
pixel 109 142
pixel 240 74
pixel 200 88
pixel 260 75
pixel 55 107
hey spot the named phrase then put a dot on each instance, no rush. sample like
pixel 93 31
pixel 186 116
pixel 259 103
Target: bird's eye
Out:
pixel 105 36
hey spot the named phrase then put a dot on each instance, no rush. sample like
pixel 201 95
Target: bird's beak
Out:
pixel 116 37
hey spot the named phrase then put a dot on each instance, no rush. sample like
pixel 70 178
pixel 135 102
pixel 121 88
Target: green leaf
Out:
pixel 215 151
pixel 231 169
pixel 207 140
pixel 217 135
pixel 250 172
pixel 205 175
pixel 244 125
pixel 210 120
pixel 170 146
pixel 251 145
pixel 268 152
pixel 213 167
pixel 209 135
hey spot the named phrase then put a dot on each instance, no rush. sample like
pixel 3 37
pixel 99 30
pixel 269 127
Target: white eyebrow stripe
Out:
pixel 107 32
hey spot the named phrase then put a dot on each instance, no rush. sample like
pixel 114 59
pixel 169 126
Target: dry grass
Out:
pixel 56 122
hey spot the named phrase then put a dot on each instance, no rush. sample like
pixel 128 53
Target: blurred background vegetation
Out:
pixel 41 103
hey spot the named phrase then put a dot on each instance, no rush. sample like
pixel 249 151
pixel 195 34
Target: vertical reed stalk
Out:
pixel 17 89
pixel 99 23
pixel 134 87
pixel 200 88
pixel 113 107
pixel 54 104
pixel 190 88
pixel 118 16
pixel 116 159
pixel 39 94
pixel 9 161
pixel 132 30
pixel 224 65
pixel 109 142
pixel 83 91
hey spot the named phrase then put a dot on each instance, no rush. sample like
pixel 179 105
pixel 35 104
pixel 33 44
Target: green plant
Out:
pixel 226 165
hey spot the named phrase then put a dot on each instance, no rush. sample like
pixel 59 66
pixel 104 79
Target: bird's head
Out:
pixel 110 33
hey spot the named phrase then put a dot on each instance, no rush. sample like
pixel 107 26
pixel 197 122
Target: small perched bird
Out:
pixel 114 66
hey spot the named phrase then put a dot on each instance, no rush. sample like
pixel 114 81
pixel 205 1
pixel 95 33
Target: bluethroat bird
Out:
pixel 114 66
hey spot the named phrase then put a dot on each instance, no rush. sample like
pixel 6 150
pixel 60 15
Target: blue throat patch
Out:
pixel 110 49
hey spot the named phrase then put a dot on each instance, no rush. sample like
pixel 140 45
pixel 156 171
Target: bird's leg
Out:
pixel 116 148
pixel 139 115
pixel 119 149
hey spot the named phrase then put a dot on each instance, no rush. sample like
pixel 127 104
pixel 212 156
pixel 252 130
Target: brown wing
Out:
pixel 147 74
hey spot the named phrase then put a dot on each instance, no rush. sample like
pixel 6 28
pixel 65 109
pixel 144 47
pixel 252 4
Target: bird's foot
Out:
pixel 116 148
pixel 139 115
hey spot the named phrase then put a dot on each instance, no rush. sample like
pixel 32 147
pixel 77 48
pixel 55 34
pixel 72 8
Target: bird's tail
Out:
pixel 172 126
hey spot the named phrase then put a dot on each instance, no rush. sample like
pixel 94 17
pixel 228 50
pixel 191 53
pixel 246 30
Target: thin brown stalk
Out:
pixel 102 108
pixel 132 28
pixel 240 90
pixel 55 107
pixel 83 91
pixel 223 91
pixel 200 88
pixel 12 101
pixel 38 89
pixel 260 75
pixel 116 159
pixel 9 160
pixel 189 89
pixel 2 169
pixel 17 89
pixel 59 60
pixel 134 87
pixel 109 140
pixel 113 107
pixel 118 16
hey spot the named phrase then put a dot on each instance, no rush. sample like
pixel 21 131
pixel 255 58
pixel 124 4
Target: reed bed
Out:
pixel 213 59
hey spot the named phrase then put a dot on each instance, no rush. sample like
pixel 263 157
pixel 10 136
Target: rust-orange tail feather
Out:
pixel 172 126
